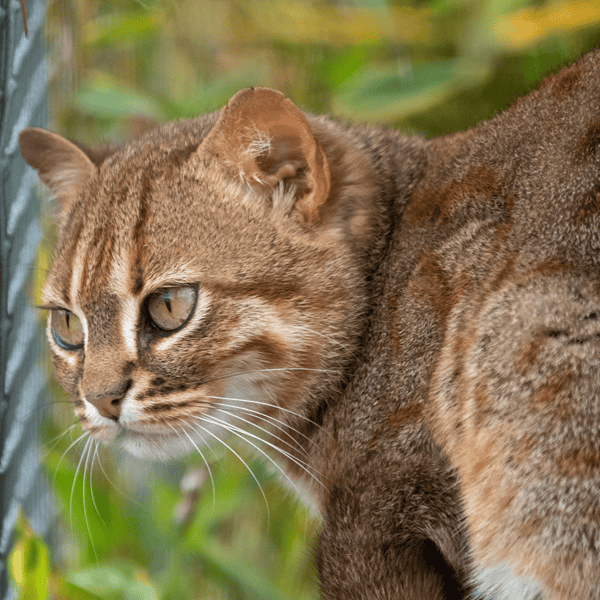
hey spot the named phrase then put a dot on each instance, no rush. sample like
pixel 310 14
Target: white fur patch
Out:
pixel 129 318
pixel 260 142
pixel 76 279
pixel 500 583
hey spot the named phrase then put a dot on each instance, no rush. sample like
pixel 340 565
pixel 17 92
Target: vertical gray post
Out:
pixel 22 381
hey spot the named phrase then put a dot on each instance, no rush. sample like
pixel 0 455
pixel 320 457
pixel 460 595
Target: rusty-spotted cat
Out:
pixel 418 321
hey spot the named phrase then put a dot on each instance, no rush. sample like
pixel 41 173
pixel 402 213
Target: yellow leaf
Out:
pixel 306 23
pixel 526 27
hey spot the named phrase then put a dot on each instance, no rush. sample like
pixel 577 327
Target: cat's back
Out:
pixel 501 241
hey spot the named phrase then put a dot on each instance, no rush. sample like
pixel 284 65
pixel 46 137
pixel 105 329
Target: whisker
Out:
pixel 291 412
pixel 55 441
pixel 270 433
pixel 92 486
pixel 238 432
pixel 73 486
pixel 247 467
pixel 89 451
pixel 296 430
pixel 212 482
pixel 237 374
pixel 44 406
pixel 283 427
pixel 84 434
pixel 322 335
pixel 303 465
pixel 113 485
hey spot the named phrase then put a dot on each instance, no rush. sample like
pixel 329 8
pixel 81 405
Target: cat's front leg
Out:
pixel 370 549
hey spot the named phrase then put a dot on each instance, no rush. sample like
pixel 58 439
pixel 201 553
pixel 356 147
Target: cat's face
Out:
pixel 186 297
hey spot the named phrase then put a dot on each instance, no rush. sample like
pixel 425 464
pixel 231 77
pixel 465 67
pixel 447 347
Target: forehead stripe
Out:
pixel 69 257
pixel 138 257
pixel 97 247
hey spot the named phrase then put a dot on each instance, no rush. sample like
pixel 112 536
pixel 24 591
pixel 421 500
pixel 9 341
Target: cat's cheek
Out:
pixel 67 374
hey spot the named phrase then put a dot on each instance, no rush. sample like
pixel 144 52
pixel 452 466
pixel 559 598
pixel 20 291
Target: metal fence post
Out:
pixel 22 381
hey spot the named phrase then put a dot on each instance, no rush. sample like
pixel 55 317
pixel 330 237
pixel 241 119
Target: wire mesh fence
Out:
pixel 22 380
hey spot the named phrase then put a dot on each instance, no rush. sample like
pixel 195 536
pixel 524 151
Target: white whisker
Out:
pixel 238 432
pixel 300 463
pixel 247 467
pixel 73 486
pixel 296 448
pixel 283 427
pixel 89 450
pixel 212 482
pixel 92 486
pixel 84 434
pixel 55 440
pixel 127 497
pixel 291 412
pixel 322 335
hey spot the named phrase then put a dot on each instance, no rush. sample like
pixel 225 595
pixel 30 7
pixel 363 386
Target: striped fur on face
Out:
pixel 269 280
pixel 420 319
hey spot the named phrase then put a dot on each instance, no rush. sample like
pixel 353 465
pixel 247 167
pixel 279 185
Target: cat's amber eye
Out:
pixel 67 329
pixel 170 308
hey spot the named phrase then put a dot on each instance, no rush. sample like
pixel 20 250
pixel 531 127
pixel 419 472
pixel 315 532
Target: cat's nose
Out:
pixel 108 404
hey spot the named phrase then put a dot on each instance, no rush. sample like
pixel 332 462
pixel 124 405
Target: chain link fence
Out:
pixel 23 77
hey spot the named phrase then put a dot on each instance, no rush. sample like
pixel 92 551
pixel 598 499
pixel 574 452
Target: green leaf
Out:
pixel 241 577
pixel 114 581
pixel 214 94
pixel 394 91
pixel 334 71
pixel 29 565
pixel 74 592
pixel 116 103
pixel 121 27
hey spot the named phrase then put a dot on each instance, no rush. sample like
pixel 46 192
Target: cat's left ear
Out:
pixel 61 164
pixel 265 138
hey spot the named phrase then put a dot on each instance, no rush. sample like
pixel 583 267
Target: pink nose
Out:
pixel 109 403
pixel 108 406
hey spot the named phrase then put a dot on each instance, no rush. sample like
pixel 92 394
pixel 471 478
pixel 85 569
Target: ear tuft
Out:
pixel 60 164
pixel 267 140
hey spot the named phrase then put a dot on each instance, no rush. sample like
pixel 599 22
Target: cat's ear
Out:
pixel 267 140
pixel 61 165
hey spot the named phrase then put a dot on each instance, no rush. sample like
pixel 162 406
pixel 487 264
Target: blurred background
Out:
pixel 130 530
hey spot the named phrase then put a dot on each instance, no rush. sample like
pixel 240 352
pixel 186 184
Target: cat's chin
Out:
pixel 154 447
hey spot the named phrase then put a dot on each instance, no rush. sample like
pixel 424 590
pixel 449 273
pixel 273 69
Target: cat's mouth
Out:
pixel 143 432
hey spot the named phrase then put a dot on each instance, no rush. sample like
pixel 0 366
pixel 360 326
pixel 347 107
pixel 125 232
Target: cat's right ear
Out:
pixel 265 138
pixel 61 165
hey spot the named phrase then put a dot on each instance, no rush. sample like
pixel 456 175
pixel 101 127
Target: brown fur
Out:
pixel 437 304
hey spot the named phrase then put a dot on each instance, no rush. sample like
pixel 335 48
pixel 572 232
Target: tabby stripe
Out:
pixel 99 236
pixel 68 257
pixel 264 289
pixel 139 237
pixel 103 260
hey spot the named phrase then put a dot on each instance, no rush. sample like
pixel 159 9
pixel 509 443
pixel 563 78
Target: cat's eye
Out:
pixel 67 329
pixel 170 308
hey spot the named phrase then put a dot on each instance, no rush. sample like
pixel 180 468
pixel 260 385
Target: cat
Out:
pixel 418 319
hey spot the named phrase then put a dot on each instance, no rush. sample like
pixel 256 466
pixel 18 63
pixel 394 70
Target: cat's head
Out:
pixel 210 268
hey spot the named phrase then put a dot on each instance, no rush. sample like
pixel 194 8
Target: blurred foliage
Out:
pixel 119 67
